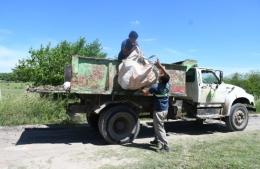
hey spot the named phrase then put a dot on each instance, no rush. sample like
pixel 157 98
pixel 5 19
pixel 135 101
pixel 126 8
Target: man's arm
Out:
pixel 161 67
pixel 146 91
pixel 127 52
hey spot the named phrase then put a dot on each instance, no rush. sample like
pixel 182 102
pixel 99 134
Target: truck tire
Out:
pixel 199 122
pixel 238 118
pixel 92 119
pixel 119 125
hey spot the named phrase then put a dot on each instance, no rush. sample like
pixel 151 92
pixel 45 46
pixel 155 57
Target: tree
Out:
pixel 7 76
pixel 236 79
pixel 253 83
pixel 250 82
pixel 46 65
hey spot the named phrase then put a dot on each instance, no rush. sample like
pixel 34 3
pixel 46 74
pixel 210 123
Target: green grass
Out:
pixel 13 85
pixel 19 107
pixel 31 109
pixel 237 150
pixel 258 106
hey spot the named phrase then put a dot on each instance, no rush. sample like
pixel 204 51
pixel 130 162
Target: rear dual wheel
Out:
pixel 119 125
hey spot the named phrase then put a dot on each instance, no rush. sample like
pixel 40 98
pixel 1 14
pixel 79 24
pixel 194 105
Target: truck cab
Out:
pixel 209 97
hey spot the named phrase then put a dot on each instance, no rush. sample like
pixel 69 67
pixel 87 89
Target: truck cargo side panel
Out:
pixel 92 75
pixel 99 76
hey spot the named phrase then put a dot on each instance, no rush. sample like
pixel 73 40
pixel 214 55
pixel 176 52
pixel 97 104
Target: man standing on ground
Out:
pixel 161 104
pixel 128 45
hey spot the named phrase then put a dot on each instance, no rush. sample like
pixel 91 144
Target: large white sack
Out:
pixel 136 72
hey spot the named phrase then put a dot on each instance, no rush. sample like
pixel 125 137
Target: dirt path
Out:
pixel 80 146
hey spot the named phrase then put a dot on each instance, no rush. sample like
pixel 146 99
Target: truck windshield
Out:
pixel 209 77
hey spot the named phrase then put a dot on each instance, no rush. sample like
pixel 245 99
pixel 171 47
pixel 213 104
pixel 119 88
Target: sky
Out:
pixel 219 34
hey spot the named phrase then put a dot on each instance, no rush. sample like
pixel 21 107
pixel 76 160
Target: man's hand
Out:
pixel 161 68
pixel 134 43
pixel 158 64
pixel 145 91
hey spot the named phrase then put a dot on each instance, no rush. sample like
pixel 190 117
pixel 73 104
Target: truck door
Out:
pixel 211 89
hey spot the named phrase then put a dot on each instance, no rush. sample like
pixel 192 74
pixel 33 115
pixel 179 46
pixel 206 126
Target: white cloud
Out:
pixel 227 70
pixel 7 65
pixel 35 43
pixel 6 53
pixel 148 40
pixel 193 50
pixel 190 53
pixel 173 51
pixel 9 57
pixel 135 23
pixel 5 32
pixel 107 48
pixel 177 55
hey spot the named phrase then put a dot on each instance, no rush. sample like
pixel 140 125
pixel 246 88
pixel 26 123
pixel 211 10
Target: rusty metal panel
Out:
pixel 99 76
pixel 177 79
pixel 92 75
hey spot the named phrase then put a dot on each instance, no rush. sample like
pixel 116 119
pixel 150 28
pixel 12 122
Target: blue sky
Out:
pixel 220 34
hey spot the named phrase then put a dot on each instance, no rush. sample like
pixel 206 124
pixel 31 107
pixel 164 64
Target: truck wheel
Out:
pixel 92 119
pixel 199 122
pixel 238 118
pixel 119 125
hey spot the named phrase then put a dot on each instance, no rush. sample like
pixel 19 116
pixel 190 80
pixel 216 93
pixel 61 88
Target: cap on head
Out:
pixel 133 34
pixel 164 79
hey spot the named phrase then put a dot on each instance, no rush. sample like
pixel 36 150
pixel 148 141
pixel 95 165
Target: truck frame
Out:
pixel 198 93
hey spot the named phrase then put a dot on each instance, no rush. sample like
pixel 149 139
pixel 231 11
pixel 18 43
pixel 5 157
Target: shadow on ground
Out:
pixel 184 127
pixel 85 134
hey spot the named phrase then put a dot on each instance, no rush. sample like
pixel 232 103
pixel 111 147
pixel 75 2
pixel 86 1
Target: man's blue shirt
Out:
pixel 161 96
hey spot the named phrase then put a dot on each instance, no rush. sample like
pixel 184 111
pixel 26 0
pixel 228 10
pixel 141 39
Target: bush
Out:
pixel 45 66
pixel 31 109
pixel 249 81
pixel 258 106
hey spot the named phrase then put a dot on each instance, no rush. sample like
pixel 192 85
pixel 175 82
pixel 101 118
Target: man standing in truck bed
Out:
pixel 128 45
pixel 161 104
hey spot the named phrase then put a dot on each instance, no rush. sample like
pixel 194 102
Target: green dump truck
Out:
pixel 197 93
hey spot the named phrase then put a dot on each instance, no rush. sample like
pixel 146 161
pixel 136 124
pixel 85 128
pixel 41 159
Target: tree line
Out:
pixel 7 77
pixel 248 81
pixel 46 65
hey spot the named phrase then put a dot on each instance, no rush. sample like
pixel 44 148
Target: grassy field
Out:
pixel 19 107
pixel 258 106
pixel 238 150
pixel 218 150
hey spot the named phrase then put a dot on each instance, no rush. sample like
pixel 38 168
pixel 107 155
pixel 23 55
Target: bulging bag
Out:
pixel 136 72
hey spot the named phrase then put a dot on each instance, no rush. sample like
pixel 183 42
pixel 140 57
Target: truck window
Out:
pixel 209 77
pixel 190 75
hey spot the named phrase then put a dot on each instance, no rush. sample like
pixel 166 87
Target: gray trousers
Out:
pixel 158 124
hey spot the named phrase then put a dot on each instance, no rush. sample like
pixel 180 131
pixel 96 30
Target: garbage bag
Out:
pixel 136 72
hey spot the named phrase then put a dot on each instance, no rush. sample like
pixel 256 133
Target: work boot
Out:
pixel 155 142
pixel 163 148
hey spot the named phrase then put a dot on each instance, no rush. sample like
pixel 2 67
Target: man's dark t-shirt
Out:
pixel 126 44
pixel 161 96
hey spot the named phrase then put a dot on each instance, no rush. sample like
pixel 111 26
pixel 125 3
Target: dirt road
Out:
pixel 56 146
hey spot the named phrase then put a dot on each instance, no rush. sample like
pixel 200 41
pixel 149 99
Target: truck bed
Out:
pixel 94 76
pixel 99 76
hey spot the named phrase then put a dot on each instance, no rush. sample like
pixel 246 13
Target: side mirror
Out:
pixel 220 77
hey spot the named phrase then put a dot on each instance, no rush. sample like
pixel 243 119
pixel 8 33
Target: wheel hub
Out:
pixel 120 125
pixel 239 117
